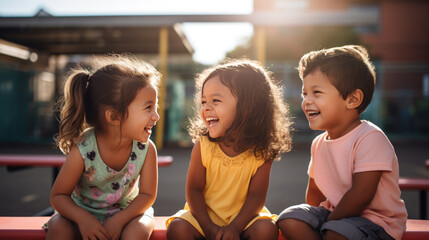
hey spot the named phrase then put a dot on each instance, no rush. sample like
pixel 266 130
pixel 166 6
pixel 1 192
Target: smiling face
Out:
pixel 218 107
pixel 142 115
pixel 323 105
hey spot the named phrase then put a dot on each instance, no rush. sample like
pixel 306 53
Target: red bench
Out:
pixel 420 184
pixel 30 228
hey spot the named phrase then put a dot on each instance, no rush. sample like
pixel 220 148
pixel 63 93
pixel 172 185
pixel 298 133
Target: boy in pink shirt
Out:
pixel 353 190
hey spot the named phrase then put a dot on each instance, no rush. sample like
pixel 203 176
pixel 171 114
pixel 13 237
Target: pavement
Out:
pixel 25 191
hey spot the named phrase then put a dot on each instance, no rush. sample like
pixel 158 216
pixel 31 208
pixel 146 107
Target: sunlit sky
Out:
pixel 210 40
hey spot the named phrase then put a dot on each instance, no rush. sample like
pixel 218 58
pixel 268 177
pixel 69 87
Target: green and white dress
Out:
pixel 101 190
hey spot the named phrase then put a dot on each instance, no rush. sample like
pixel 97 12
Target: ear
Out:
pixel 354 99
pixel 112 117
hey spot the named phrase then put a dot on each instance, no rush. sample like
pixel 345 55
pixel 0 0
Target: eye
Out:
pixel 203 102
pixel 317 92
pixel 216 100
pixel 303 95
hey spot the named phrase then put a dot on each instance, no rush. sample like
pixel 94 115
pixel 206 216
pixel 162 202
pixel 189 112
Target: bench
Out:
pixel 30 228
pixel 419 184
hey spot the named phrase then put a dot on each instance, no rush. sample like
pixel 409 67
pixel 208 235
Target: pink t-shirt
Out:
pixel 365 148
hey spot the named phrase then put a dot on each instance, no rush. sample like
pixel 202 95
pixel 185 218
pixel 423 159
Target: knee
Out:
pixel 60 226
pixel 178 229
pixel 143 231
pixel 138 228
pixel 264 229
pixel 289 225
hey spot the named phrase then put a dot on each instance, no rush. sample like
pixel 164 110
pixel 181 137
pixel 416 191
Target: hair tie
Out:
pixel 87 80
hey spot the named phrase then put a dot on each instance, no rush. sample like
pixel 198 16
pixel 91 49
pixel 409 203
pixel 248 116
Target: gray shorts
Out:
pixel 351 228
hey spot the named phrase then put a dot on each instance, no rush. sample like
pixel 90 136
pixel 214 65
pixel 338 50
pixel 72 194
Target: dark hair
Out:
pixel 261 121
pixel 347 67
pixel 113 83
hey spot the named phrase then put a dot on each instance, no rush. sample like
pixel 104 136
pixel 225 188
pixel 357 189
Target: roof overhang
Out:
pixel 92 35
pixel 140 34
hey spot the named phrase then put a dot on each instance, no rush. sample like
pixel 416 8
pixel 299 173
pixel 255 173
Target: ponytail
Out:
pixel 72 115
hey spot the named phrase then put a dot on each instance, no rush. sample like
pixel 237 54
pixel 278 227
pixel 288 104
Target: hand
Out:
pixel 211 231
pixel 227 233
pixel 113 228
pixel 90 228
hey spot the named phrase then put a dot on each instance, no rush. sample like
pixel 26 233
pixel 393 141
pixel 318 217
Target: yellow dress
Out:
pixel 227 184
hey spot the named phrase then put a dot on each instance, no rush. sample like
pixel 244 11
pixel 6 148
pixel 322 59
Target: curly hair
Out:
pixel 113 82
pixel 262 122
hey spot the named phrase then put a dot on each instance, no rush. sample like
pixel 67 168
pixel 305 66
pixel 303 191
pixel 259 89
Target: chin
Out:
pixel 143 139
pixel 211 136
pixel 312 127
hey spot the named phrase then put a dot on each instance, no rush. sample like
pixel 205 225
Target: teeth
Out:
pixel 211 119
pixel 312 112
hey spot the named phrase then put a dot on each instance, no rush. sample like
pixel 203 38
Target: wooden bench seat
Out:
pixel 30 228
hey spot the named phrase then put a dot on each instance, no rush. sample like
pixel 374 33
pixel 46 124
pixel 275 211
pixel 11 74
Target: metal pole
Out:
pixel 261 45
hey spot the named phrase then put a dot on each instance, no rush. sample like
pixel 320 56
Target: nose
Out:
pixel 155 116
pixel 306 101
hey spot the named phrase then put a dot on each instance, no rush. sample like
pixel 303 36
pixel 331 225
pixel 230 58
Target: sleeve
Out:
pixel 313 150
pixel 257 164
pixel 374 153
pixel 203 146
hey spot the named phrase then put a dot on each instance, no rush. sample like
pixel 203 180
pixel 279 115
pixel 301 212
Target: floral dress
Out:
pixel 101 190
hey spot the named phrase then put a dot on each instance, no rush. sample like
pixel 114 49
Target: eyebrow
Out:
pixel 214 95
pixel 149 102
pixel 314 86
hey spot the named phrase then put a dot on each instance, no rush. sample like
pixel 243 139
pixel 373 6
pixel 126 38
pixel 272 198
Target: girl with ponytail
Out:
pixel 108 182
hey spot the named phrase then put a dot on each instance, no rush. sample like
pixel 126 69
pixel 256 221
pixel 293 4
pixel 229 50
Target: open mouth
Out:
pixel 212 121
pixel 313 113
pixel 148 130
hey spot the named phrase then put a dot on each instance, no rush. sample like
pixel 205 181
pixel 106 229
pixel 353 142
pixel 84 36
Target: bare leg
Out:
pixel 180 229
pixel 60 227
pixel 264 229
pixel 140 228
pixel 294 229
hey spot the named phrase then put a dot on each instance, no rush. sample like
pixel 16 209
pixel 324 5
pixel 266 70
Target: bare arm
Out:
pixel 313 195
pixel 358 197
pixel 144 200
pixel 60 197
pixel 195 183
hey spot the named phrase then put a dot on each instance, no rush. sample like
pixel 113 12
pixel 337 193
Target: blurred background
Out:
pixel 40 40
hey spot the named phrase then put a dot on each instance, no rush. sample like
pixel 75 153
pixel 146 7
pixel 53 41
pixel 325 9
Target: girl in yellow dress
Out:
pixel 242 127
